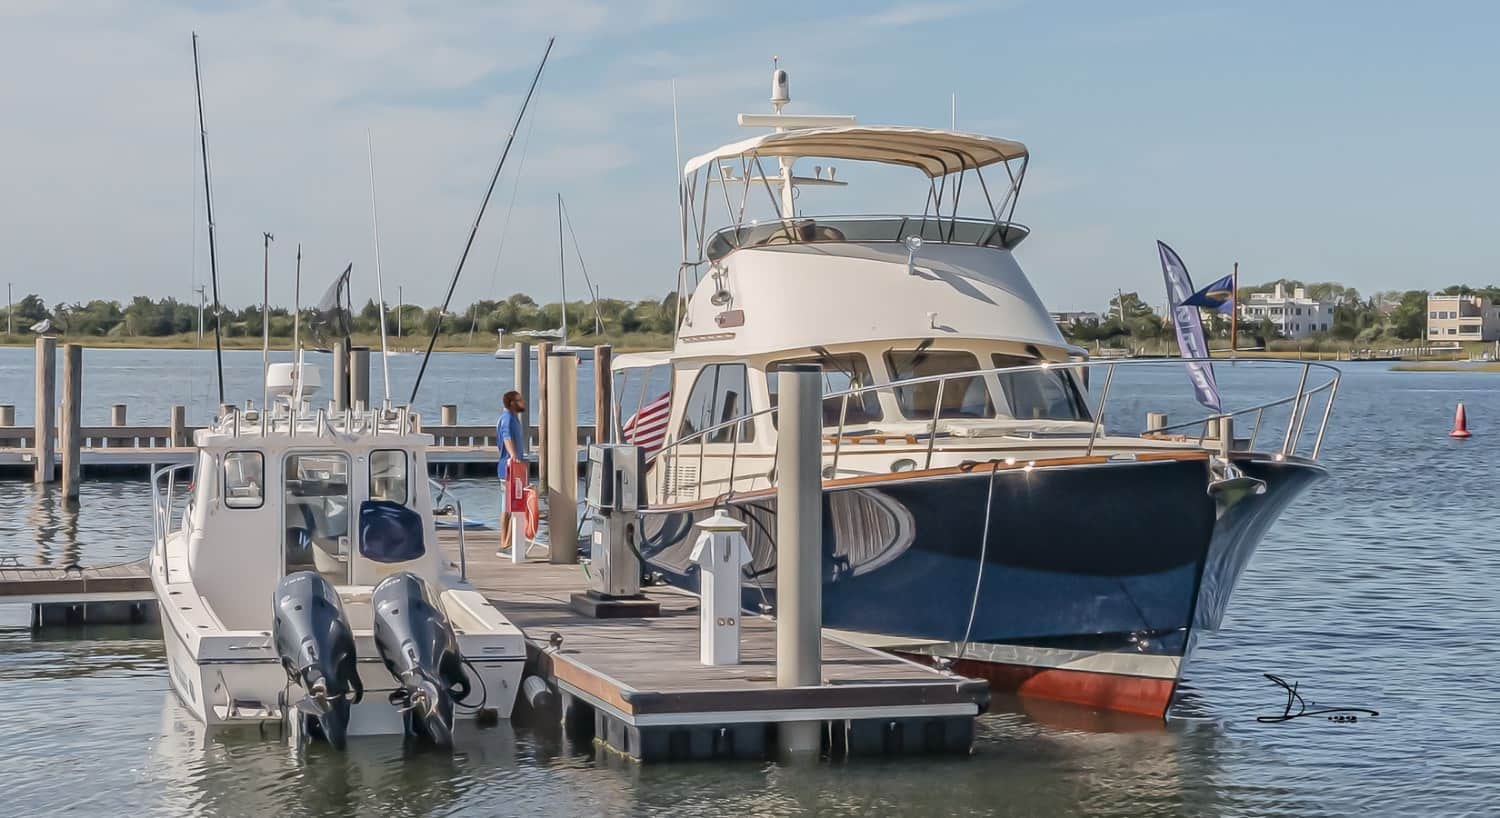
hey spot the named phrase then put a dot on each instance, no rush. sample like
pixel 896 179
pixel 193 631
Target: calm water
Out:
pixel 1375 589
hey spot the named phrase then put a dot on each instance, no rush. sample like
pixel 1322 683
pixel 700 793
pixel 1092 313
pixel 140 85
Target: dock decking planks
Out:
pixel 648 674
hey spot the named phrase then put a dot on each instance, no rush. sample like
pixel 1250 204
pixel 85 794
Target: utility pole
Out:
pixel 10 311
pixel 201 291
pixel 400 302
pixel 1234 308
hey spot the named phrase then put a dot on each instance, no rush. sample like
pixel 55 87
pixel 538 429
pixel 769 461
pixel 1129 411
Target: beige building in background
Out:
pixel 1462 318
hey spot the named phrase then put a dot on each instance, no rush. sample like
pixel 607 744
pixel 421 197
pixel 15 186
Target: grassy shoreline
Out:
pixel 635 342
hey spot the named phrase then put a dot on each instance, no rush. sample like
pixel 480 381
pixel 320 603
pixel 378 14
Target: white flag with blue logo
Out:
pixel 1189 327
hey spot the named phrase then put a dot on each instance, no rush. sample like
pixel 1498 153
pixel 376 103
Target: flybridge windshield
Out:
pixel 811 230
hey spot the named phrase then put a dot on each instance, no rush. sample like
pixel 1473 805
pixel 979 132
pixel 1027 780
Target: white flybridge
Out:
pixel 978 508
pixel 302 579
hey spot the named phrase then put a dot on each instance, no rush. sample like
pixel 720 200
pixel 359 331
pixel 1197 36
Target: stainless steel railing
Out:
pixel 673 484
pixel 161 508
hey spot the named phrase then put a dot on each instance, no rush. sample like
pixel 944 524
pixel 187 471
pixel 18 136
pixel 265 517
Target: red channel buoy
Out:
pixel 1460 423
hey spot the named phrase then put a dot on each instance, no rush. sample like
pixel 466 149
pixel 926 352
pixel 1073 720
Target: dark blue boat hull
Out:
pixel 1122 558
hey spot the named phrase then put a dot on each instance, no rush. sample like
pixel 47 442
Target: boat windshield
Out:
pixel 841 372
pixel 822 229
pixel 962 397
pixel 1040 394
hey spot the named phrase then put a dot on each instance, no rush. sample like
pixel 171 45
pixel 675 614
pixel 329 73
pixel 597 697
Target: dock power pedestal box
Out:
pixel 616 492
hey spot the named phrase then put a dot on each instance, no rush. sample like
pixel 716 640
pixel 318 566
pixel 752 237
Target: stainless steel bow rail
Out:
pixel 916 438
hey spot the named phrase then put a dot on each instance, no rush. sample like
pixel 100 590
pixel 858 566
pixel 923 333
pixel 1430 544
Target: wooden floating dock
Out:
pixel 637 686
pixel 75 596
pixel 634 686
pixel 138 449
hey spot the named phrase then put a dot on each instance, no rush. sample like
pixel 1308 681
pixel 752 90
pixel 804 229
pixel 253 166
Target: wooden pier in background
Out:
pixel 637 686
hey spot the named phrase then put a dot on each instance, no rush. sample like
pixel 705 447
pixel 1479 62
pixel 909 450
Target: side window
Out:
pixel 718 396
pixel 731 400
pixel 698 412
pixel 244 480
pixel 388 476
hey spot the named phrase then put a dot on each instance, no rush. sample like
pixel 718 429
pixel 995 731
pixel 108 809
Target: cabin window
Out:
pixel 388 475
pixel 244 480
pixel 317 507
pixel 963 397
pixel 840 374
pixel 1040 394
pixel 717 397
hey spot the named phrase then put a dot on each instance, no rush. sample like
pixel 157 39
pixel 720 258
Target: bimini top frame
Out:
pixel 945 157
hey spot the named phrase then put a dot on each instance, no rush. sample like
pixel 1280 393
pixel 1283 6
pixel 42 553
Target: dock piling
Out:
pixel 7 414
pixel 177 427
pixel 543 352
pixel 117 414
pixel 521 369
pixel 449 414
pixel 46 407
pixel 359 378
pixel 799 546
pixel 340 376
pixel 561 432
pixel 71 431
pixel 604 388
pixel 1156 421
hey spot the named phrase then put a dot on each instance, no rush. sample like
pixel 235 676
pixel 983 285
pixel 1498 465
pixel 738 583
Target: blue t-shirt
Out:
pixel 510 427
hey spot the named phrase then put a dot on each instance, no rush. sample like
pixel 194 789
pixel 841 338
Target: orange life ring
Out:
pixel 533 512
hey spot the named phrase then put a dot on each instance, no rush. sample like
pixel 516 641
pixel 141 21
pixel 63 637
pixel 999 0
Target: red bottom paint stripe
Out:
pixel 1126 694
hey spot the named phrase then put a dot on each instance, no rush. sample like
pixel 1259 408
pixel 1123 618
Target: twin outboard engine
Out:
pixel 419 648
pixel 316 646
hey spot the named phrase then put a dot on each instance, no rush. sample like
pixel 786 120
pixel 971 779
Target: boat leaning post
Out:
pixel 721 554
pixel 799 545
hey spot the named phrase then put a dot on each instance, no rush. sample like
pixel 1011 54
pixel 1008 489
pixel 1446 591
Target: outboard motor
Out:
pixel 419 648
pixel 316 647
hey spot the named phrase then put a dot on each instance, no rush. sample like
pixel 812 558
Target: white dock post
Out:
pixel 117 414
pixel 720 553
pixel 70 431
pixel 799 545
pixel 519 545
pixel 561 452
pixel 46 408
pixel 1156 421
pixel 449 414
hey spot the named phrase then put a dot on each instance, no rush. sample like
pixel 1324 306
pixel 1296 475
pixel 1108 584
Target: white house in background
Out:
pixel 1462 318
pixel 1295 315
pixel 1067 319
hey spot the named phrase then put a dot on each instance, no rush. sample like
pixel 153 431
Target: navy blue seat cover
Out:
pixel 389 532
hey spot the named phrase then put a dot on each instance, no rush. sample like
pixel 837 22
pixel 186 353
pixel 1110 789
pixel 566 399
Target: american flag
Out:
pixel 647 428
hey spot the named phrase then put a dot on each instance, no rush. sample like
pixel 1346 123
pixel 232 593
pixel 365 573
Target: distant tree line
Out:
pixel 144 317
pixel 1385 317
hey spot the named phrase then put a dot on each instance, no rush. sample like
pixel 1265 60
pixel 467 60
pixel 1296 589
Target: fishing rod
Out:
pixel 265 329
pixel 473 231
pixel 385 354
pixel 213 262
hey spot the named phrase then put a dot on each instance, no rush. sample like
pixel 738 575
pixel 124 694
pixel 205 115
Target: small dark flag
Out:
pixel 331 320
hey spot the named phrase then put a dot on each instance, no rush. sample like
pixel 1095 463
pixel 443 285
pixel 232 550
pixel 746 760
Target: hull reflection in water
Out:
pixel 1095 579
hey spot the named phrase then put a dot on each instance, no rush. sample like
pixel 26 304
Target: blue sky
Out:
pixel 1348 141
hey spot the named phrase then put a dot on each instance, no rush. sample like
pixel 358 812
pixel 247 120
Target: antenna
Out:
pixel 265 329
pixel 681 206
pixel 208 195
pixel 953 112
pixel 385 355
pixel 562 271
pixel 780 92
pixel 473 231
pixel 297 338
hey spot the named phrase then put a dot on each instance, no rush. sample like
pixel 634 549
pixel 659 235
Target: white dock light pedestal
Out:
pixel 720 553
pixel 799 546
